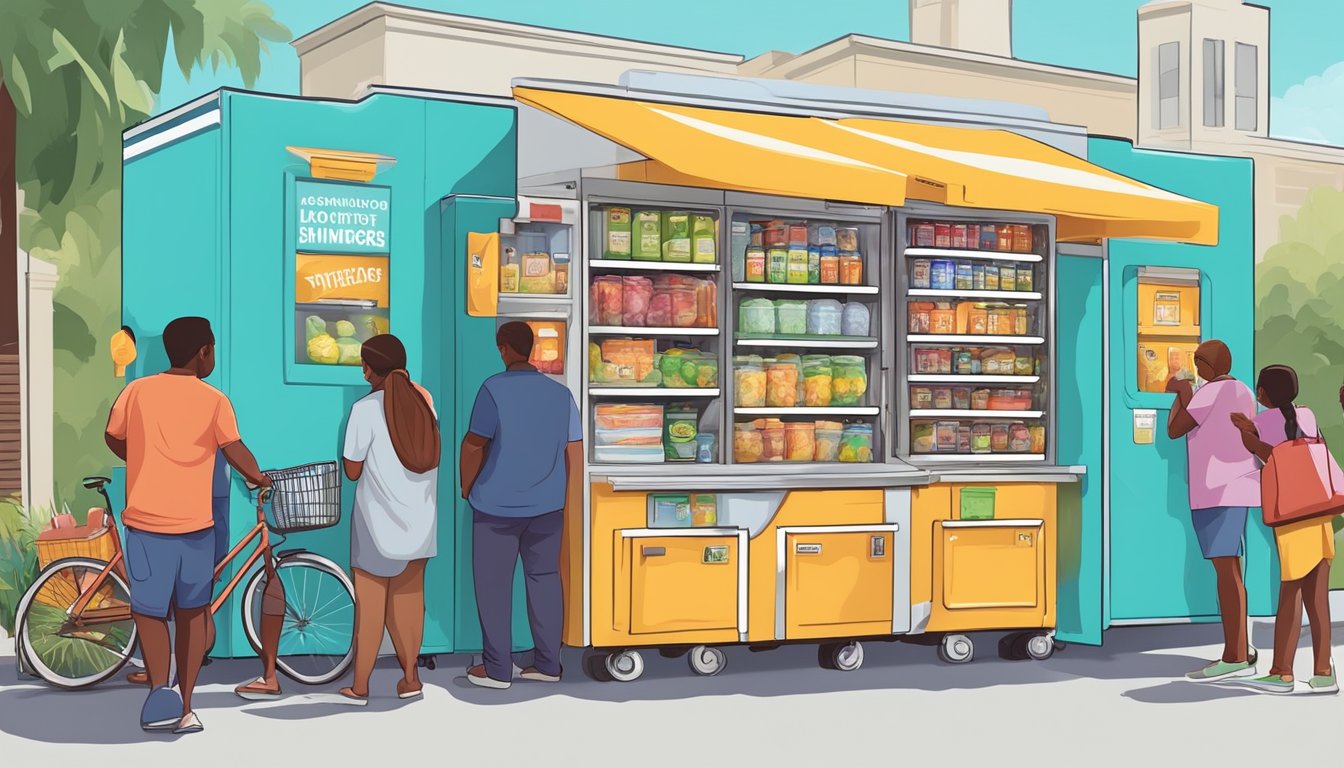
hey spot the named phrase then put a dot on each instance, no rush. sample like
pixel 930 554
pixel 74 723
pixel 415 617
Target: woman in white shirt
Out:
pixel 392 452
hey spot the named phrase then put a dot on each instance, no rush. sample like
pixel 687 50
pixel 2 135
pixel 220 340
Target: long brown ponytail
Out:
pixel 410 420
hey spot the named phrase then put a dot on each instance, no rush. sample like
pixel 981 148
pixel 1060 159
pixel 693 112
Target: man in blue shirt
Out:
pixel 522 466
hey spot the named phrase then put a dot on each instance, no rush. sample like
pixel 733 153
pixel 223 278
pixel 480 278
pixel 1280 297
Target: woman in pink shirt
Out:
pixel 1224 484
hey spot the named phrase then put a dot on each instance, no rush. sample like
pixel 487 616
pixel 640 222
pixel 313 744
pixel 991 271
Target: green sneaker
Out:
pixel 1269 684
pixel 1222 670
pixel 1323 683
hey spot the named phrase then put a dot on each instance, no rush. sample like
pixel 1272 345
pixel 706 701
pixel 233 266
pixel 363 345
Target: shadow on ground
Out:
pixel 1142 655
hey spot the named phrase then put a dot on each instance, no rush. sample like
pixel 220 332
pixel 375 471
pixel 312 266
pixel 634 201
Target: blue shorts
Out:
pixel 1220 530
pixel 170 570
pixel 219 510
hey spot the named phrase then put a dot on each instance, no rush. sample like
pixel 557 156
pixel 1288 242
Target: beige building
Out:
pixel 1202 85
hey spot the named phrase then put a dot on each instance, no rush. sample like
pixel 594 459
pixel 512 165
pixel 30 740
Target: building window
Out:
pixel 1213 84
pixel 1247 87
pixel 1168 86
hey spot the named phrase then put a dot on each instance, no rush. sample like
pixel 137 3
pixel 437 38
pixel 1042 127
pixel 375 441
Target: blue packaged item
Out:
pixel 942 275
pixel 671 511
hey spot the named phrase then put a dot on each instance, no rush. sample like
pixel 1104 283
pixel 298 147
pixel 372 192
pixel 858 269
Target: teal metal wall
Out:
pixel 1156 570
pixel 208 232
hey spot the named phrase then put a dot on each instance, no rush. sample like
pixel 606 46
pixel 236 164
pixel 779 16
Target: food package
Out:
pixel 919 273
pixel 921 437
pixel 595 375
pixel 773 439
pixel 992 277
pixel 676 236
pixel 648 236
pixel 855 319
pixel 777 265
pixel 980 437
pixel 636 293
pixel 814 264
pixel 945 435
pixel 685 308
pixel 660 310
pixel 704 242
pixel 921 398
pixel 942 275
pixel 680 430
pixel 817 381
pixel 796 271
pixel 632 360
pixel 757 316
pixel 989 237
pixel 824 317
pixel 829 269
pixel 672 510
pixel 781 384
pixel 926 360
pixel 747 443
pixel 919 316
pixel 942 319
pixel 1037 438
pixel 680 368
pixel 775 234
pixel 856 443
pixel 755 267
pixel 800 441
pixel 739 240
pixel 828 437
pixel 707 304
pixel 847 238
pixel 704 510
pixel 618 234
pixel 538 274
pixel 851 269
pixel 749 382
pixel 822 234
pixel 617 416
pixel 606 301
pixel 849 380
pixel 791 317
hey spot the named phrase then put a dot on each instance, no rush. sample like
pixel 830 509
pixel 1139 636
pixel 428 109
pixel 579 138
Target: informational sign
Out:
pixel 342 218
pixel 351 278
pixel 1145 424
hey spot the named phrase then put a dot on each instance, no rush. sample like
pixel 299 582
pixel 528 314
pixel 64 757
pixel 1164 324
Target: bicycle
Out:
pixel 74 624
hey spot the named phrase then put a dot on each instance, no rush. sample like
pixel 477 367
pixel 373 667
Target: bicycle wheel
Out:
pixel 317 638
pixel 74 656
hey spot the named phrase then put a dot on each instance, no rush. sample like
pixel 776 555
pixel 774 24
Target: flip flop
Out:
pixel 162 710
pixel 257 691
pixel 349 693
pixel 190 724
pixel 412 694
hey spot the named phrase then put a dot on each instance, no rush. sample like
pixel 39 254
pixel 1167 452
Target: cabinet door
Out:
pixel 682 583
pixel 992 566
pixel 838 583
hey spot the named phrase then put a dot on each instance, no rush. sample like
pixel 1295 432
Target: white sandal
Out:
pixel 190 723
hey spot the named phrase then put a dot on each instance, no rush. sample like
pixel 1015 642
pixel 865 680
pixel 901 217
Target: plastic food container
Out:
pixel 980 438
pixel 705 444
pixel 847 238
pixel 942 398
pixel 817 381
pixel 777 265
pixel 800 440
pixel 998 438
pixel 1026 276
pixel 774 440
pixel 829 269
pixel 796 269
pixel 757 316
pixel 749 382
pixel 1021 320
pixel 823 234
pixel 855 319
pixel 781 384
pixel 636 293
pixel 921 398
pixel 791 317
pixel 943 320
pixel 919 320
pixel 851 268
pixel 605 301
pixel 961 398
pixel 1007 277
pixel 963 439
pixel 679 438
pixel 980 400
pixel 1037 439
pixel 706 304
pixel 829 434
pixel 685 307
pixel 748 447
pixel 919 273
pixel 1023 364
pixel 1019 438
pixel 926 361
pixel 945 436
pixel 849 380
pixel 755 267
pixel 942 275
pixel 856 444
pixel 921 437
pixel 813 264
pixel 824 317
pixel 704 510
pixel 964 278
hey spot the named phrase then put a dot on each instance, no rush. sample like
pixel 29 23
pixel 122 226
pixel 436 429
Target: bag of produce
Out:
pixel 791 317
pixel 855 319
pixel 757 316
pixel 660 311
pixel 824 317
pixel 636 293
pixel 849 380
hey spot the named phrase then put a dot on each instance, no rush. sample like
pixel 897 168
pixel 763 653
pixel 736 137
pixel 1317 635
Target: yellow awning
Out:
pixel 881 162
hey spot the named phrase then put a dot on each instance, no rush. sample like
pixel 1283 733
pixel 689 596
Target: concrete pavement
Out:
pixel 1111 705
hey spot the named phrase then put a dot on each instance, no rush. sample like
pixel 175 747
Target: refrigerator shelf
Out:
pixel 651 392
pixel 807 342
pixel 953 253
pixel 635 330
pixel 952 378
pixel 1006 295
pixel 985 413
pixel 848 290
pixel 827 411
pixel 651 266
pixel 952 338
pixel 973 458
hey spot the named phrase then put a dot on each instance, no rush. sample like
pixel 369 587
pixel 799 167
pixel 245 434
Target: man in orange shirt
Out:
pixel 168 428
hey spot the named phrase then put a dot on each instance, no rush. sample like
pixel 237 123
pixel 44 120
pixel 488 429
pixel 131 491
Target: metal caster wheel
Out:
pixel 1040 647
pixel 844 657
pixel 595 666
pixel 706 661
pixel 956 649
pixel 625 666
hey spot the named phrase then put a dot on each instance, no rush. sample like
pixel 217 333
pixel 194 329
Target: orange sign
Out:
pixel 359 278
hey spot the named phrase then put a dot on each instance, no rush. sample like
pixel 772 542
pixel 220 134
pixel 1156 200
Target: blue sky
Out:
pixel 1089 34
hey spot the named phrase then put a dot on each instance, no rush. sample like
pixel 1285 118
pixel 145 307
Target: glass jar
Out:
pixel 829 434
pixel 748 445
pixel 775 443
pixel 800 441
pixel 781 384
pixel 849 380
pixel 856 444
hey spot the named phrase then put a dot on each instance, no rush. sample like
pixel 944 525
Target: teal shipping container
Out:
pixel 224 219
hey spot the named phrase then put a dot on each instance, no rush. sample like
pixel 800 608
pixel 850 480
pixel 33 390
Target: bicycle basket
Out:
pixel 306 498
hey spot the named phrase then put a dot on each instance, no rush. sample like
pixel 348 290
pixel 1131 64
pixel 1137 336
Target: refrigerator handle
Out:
pixel 653 551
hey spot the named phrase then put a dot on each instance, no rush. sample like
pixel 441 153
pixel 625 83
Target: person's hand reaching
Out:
pixel 1177 385
pixel 1244 423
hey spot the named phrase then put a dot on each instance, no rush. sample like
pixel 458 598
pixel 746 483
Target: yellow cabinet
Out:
pixel 838 582
pixel 990 574
pixel 671 584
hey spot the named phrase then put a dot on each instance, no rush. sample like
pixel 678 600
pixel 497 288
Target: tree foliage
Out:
pixel 79 73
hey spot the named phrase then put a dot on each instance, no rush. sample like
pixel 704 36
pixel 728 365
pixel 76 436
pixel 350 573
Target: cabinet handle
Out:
pixel 653 551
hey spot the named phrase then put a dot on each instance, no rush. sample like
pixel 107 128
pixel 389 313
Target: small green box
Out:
pixel 977 503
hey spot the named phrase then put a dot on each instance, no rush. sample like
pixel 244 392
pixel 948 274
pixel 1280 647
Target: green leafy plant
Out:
pixel 18 555
pixel 1300 310
pixel 77 73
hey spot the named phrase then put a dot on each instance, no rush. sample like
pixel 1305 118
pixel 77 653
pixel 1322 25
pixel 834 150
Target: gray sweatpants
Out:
pixel 497 543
